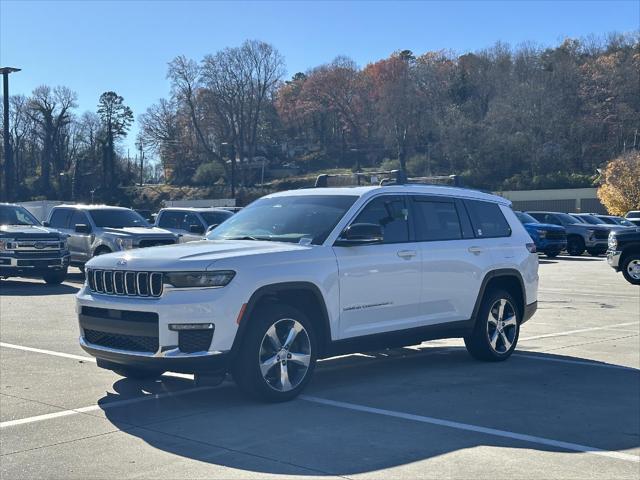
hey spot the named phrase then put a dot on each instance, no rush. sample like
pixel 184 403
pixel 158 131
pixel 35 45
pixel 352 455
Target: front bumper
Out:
pixel 168 361
pixel 613 258
pixel 551 245
pixel 29 266
pixel 597 244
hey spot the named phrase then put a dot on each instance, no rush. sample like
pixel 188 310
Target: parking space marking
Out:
pixel 475 428
pixel 581 330
pixel 48 352
pixel 106 406
pixel 571 293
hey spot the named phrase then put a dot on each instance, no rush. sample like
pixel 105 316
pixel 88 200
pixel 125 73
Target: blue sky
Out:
pixel 94 46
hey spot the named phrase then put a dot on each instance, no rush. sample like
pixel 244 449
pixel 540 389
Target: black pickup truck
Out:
pixel 27 249
pixel 624 253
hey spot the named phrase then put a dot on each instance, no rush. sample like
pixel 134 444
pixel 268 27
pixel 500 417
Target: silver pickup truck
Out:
pixel 99 229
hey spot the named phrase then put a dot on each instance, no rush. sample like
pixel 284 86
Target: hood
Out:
pixel 545 226
pixel 194 256
pixel 29 231
pixel 139 231
pixel 588 226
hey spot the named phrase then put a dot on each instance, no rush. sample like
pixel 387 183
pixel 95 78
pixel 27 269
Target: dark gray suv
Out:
pixel 580 236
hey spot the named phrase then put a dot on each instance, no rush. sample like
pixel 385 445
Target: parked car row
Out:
pixel 74 234
pixel 554 232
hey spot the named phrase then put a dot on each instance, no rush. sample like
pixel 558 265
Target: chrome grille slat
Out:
pixel 125 283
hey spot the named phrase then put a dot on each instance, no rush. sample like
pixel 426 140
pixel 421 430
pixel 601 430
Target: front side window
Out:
pixel 171 220
pixel 390 212
pixel 78 218
pixel 60 218
pixel 295 218
pixel 116 218
pixel 487 219
pixel 14 215
pixel 436 220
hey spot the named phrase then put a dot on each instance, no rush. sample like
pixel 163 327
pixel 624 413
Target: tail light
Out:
pixel 531 247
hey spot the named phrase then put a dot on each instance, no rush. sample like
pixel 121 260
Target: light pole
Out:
pixel 8 160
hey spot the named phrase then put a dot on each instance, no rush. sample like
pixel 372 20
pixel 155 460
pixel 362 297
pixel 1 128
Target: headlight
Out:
pixel 213 279
pixel 613 241
pixel 124 243
pixel 6 244
pixel 63 244
pixel 591 233
pixel 542 233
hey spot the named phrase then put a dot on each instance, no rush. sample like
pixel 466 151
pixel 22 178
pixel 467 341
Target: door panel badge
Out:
pixel 366 306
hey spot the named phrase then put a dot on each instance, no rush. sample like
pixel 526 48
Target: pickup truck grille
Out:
pixel 552 235
pixel 155 242
pixel 35 245
pixel 125 283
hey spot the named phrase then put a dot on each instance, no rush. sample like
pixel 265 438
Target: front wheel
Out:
pixel 631 268
pixel 56 277
pixel 575 246
pixel 497 328
pixel 552 254
pixel 278 355
pixel 594 252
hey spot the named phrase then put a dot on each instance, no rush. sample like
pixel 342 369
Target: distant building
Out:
pixel 562 200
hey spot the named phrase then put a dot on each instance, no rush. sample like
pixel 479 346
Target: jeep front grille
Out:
pixel 125 283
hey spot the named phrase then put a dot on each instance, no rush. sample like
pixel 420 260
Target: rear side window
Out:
pixel 390 212
pixel 78 218
pixel 60 218
pixel 436 220
pixel 487 219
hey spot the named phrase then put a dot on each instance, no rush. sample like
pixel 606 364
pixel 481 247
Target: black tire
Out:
pixel 628 261
pixel 575 246
pixel 552 254
pixel 56 277
pixel 594 252
pixel 81 268
pixel 479 343
pixel 255 349
pixel 101 251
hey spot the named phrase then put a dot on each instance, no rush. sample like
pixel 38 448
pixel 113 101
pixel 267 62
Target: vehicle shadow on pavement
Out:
pixel 19 288
pixel 554 397
pixel 580 259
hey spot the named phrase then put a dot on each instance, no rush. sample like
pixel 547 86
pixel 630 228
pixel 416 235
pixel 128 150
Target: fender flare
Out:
pixel 274 289
pixel 499 273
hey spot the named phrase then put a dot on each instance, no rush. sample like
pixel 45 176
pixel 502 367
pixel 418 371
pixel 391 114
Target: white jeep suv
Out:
pixel 313 273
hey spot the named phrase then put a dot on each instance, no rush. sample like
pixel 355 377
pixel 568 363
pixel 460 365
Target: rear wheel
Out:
pixel 575 246
pixel 552 254
pixel 631 268
pixel 497 328
pixel 278 355
pixel 56 277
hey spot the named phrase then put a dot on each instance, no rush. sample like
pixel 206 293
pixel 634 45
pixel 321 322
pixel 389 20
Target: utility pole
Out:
pixel 9 175
pixel 141 164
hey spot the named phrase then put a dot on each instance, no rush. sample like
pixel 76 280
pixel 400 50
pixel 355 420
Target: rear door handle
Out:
pixel 476 250
pixel 407 254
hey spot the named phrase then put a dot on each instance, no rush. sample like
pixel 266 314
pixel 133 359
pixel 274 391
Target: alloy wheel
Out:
pixel 502 326
pixel 285 354
pixel 633 269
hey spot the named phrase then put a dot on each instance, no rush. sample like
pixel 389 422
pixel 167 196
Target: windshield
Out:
pixel 566 218
pixel 578 219
pixel 116 218
pixel 623 222
pixel 526 218
pixel 14 215
pixel 216 218
pixel 286 219
pixel 592 220
pixel 634 214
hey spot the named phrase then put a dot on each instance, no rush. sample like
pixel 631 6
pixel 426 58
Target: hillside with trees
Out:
pixel 502 118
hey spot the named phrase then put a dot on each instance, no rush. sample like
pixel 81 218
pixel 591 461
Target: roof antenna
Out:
pixel 322 181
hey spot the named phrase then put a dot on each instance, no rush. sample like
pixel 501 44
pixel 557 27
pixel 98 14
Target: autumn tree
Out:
pixel 620 189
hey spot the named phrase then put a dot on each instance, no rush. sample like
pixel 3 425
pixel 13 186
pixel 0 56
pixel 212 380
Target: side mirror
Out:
pixel 82 228
pixel 360 234
pixel 211 227
pixel 45 224
pixel 198 229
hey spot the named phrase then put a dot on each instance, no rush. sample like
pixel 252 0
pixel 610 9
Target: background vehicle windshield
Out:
pixel 286 219
pixel 526 218
pixel 578 218
pixel 566 218
pixel 14 215
pixel 216 218
pixel 117 218
pixel 623 222
pixel 592 220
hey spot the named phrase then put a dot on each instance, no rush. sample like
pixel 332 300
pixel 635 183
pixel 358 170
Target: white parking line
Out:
pixel 571 332
pixel 48 352
pixel 106 406
pixel 571 293
pixel 475 428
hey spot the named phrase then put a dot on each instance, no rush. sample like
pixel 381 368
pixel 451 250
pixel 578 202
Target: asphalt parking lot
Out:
pixel 566 405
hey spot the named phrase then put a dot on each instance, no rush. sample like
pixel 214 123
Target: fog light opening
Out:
pixel 176 327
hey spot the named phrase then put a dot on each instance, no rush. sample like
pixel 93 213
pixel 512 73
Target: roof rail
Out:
pixel 393 177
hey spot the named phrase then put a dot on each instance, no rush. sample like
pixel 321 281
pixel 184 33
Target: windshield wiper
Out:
pixel 244 237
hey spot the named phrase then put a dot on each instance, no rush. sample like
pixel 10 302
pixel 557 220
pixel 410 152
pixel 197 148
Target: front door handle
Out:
pixel 476 250
pixel 407 254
